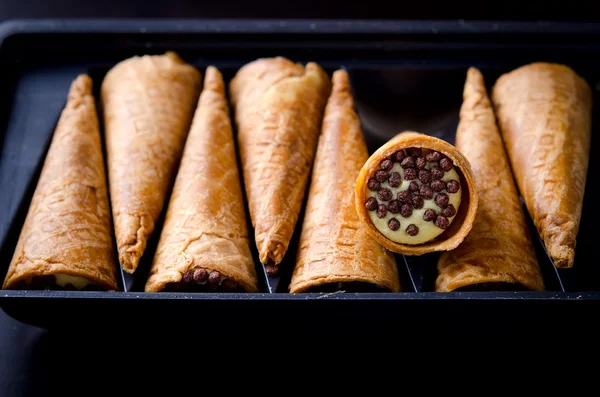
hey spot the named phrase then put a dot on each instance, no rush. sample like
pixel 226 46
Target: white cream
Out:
pixel 77 282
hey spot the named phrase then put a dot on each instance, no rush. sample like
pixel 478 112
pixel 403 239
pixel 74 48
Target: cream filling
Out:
pixel 427 230
pixel 76 281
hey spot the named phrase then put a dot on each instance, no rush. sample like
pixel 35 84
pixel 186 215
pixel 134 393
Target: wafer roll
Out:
pixel 148 107
pixel 498 249
pixel 66 240
pixel 334 246
pixel 278 110
pixel 416 194
pixel 544 112
pixel 204 243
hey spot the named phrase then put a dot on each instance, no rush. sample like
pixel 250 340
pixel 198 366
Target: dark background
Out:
pixel 35 361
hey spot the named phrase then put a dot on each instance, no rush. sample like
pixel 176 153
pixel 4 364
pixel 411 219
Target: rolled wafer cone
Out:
pixel 544 113
pixel 334 245
pixel 66 240
pixel 205 225
pixel 278 111
pixel 433 217
pixel 148 106
pixel 498 249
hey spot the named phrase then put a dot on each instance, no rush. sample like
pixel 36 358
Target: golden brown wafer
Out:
pixel 67 234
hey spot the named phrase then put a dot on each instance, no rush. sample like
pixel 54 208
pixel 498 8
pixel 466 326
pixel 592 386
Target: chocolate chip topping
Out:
pixel 414 151
pixel 371 204
pixel 381 211
pixel 406 210
pixel 426 192
pixel 214 278
pixel 412 230
pixel 188 276
pixel 425 176
pixel 441 222
pixel 405 196
pixel 399 155
pixel 408 162
pixel 272 270
pixel 373 185
pixel 438 186
pixel 446 164
pixel 418 202
pixel 385 194
pixel 381 175
pixel 413 187
pixel 452 186
pixel 394 224
pixel 449 211
pixel 429 215
pixel 200 275
pixel 386 164
pixel 441 199
pixel 437 173
pixel 433 156
pixel 410 174
pixel 394 206
pixel 420 163
pixel 395 179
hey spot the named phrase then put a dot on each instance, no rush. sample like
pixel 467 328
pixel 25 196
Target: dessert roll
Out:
pixel 278 111
pixel 204 243
pixel 497 254
pixel 148 107
pixel 544 112
pixel 335 248
pixel 66 240
pixel 416 194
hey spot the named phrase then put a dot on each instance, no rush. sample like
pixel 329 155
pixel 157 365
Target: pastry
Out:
pixel 416 194
pixel 148 106
pixel 278 112
pixel 204 243
pixel 66 240
pixel 497 252
pixel 334 245
pixel 544 113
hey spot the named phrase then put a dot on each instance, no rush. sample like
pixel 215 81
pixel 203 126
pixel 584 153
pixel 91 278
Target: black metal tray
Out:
pixel 405 75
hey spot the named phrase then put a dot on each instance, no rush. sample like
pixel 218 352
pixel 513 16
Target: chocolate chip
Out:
pixel 381 175
pixel 200 276
pixel 385 194
pixel 452 186
pixel 429 215
pixel 437 173
pixel 425 176
pixel 188 276
pixel 386 164
pixel 446 164
pixel 228 284
pixel 441 222
pixel 420 163
pixel 414 151
pixel 405 196
pixel 373 185
pixel 426 192
pixel 371 204
pixel 408 162
pixel 418 202
pixel 395 179
pixel 410 174
pixel 438 186
pixel 412 230
pixel 394 224
pixel 399 155
pixel 394 206
pixel 381 211
pixel 272 270
pixel 433 156
pixel 441 199
pixel 413 187
pixel 406 210
pixel 214 278
pixel 449 211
